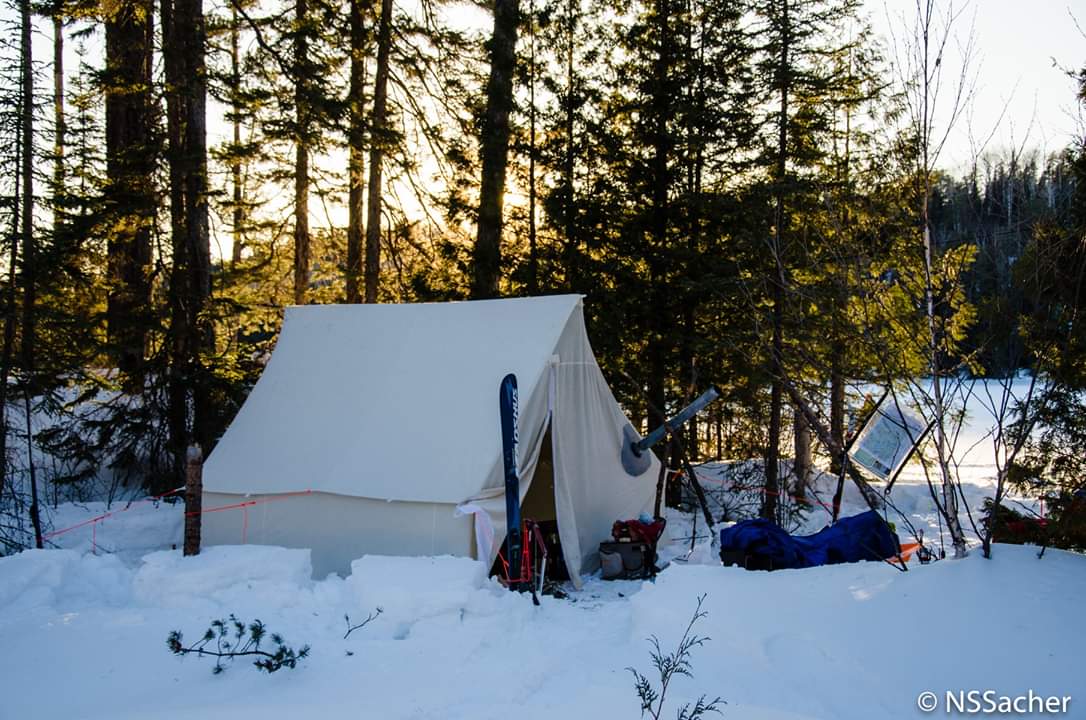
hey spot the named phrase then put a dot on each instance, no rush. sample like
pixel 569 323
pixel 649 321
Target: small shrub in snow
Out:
pixel 369 618
pixel 668 666
pixel 229 639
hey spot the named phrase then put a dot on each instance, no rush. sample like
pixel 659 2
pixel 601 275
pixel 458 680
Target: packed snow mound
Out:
pixel 409 589
pixel 62 581
pixel 224 574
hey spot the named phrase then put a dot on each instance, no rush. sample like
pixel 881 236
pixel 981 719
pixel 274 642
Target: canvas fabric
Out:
pixel 392 485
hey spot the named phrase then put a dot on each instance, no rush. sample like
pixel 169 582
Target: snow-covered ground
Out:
pixel 83 634
pixel 84 637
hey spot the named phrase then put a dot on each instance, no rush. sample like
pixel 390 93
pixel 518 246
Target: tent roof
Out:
pixel 395 402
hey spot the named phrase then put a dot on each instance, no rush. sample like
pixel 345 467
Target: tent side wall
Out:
pixel 338 528
pixel 591 488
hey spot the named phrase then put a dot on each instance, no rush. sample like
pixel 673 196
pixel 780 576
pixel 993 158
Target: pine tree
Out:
pixel 190 278
pixel 10 172
pixel 794 34
pixel 356 146
pixel 131 153
pixel 494 149
pixel 30 250
pixel 378 141
pixel 570 36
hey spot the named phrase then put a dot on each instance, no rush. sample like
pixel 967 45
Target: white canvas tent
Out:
pixel 372 424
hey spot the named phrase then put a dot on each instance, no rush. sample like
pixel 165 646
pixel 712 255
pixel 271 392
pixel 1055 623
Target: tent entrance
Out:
pixel 539 505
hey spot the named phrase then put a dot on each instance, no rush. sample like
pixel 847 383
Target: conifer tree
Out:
pixel 572 34
pixel 30 250
pixel 794 34
pixel 378 141
pixel 356 147
pixel 131 152
pixel 302 77
pixel 190 279
pixel 494 149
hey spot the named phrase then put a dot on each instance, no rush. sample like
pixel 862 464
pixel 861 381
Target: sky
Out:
pixel 1019 91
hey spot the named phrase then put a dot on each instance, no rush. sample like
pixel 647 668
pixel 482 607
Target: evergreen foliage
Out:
pixel 734 185
pixel 228 639
pixel 669 666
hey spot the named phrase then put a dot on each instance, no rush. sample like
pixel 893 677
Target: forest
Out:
pixel 748 193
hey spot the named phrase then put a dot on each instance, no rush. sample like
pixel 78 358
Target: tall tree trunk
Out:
pixel 237 218
pixel 840 302
pixel 571 249
pixel 657 344
pixel 356 149
pixel 130 169
pixel 772 459
pixel 533 250
pixel 719 435
pixel 837 405
pixel 178 415
pixel 190 280
pixel 378 140
pixel 59 124
pixel 772 483
pixel 802 463
pixel 695 162
pixel 29 252
pixel 494 149
pixel 301 152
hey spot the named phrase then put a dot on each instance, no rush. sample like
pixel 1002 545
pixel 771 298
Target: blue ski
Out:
pixel 507 398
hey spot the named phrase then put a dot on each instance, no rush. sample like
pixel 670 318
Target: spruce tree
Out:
pixel 190 279
pixel 494 149
pixel 131 157
pixel 793 36
pixel 356 147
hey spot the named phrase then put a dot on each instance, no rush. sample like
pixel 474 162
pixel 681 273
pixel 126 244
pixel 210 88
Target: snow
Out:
pixel 130 529
pixel 410 589
pixel 223 574
pixel 84 634
pixel 853 641
pixel 49 579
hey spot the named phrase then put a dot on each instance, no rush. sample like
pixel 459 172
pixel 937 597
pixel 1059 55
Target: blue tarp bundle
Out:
pixel 861 537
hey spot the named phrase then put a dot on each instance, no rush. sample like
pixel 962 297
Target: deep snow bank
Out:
pixel 61 580
pixel 223 574
pixel 863 640
pixel 853 641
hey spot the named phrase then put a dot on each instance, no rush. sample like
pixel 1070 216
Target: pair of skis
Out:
pixel 516 544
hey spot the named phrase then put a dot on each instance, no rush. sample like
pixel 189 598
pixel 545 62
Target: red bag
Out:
pixel 638 531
